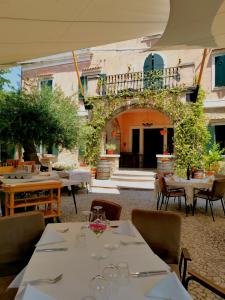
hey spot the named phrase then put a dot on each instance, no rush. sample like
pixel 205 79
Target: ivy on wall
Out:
pixel 191 134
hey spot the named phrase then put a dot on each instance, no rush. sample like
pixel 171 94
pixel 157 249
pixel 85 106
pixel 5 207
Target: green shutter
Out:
pixel 83 80
pixel 211 130
pixel 220 70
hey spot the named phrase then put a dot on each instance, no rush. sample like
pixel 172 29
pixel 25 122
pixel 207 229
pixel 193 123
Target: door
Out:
pixel 153 144
pixel 153 80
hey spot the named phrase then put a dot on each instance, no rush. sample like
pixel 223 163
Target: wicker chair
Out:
pixel 112 209
pixel 217 193
pixel 162 232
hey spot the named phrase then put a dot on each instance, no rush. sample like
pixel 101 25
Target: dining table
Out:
pixel 76 264
pixel 188 185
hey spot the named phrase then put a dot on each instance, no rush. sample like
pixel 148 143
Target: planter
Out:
pixel 93 172
pixel 209 173
pixel 109 151
pixel 199 174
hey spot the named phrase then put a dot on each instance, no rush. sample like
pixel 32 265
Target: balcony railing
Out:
pixel 167 78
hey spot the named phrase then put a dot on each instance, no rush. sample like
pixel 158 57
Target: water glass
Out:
pixel 111 247
pixel 80 241
pixel 111 273
pixel 124 273
pixel 99 288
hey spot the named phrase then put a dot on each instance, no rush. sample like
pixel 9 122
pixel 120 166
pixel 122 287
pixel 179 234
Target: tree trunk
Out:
pixel 30 152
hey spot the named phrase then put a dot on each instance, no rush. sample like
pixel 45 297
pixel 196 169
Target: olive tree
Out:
pixel 44 117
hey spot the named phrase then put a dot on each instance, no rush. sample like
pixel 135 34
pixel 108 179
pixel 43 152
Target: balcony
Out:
pixel 168 78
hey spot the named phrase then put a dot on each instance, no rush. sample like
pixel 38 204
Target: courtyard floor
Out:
pixel 204 238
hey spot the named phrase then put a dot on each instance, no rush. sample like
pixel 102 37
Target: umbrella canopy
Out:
pixel 194 24
pixel 31 29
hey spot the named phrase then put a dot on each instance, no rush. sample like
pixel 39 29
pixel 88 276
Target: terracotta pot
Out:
pixel 110 151
pixel 209 173
pixel 93 172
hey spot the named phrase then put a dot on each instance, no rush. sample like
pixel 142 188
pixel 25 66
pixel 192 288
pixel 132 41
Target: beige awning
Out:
pixel 194 24
pixel 31 29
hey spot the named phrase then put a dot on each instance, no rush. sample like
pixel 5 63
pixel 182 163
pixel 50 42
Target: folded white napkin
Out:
pixel 125 229
pixel 33 293
pixel 169 287
pixel 50 237
pixel 17 280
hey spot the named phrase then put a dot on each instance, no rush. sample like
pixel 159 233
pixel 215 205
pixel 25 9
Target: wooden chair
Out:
pixel 19 234
pixel 112 209
pixel 194 276
pixel 170 192
pixel 162 232
pixel 12 162
pixel 217 193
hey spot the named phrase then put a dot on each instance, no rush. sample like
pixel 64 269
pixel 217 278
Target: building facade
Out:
pixel 137 133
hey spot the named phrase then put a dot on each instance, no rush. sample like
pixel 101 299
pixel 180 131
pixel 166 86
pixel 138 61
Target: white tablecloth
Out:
pixel 78 267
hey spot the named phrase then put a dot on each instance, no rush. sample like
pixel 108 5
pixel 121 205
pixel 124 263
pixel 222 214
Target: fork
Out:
pixel 125 243
pixel 44 280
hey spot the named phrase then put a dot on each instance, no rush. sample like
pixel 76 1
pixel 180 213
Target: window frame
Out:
pixel 44 79
pixel 214 87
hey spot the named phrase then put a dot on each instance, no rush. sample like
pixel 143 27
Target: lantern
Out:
pixel 163 132
pixel 113 133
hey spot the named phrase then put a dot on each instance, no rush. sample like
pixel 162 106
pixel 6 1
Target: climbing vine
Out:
pixel 191 134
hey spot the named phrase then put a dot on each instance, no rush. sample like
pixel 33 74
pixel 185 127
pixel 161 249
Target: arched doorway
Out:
pixel 140 137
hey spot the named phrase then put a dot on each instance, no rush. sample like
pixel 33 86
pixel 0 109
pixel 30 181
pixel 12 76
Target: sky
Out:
pixel 15 77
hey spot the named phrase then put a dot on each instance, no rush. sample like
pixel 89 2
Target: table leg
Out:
pixel 74 199
pixel 11 202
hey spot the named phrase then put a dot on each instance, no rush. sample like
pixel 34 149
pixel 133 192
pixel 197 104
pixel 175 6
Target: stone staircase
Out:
pixel 128 179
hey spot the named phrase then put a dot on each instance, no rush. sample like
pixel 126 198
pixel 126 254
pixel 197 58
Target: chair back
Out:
pixel 27 163
pixel 162 185
pixel 19 234
pixel 112 209
pixel 161 231
pixel 218 188
pixel 12 162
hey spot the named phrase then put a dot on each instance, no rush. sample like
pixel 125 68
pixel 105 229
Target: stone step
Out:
pixel 132 178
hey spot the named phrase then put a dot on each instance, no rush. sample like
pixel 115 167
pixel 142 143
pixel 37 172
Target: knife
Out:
pixel 51 249
pixel 149 273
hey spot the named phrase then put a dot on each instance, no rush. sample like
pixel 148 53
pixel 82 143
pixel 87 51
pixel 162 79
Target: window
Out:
pixel 84 83
pixel 219 70
pixel 46 82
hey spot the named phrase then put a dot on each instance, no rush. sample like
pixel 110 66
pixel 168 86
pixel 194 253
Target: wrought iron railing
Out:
pixel 167 78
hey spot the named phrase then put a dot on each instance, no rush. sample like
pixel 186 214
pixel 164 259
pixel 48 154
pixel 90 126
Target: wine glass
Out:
pixel 86 217
pixel 111 273
pixel 99 287
pixel 98 223
pixel 111 247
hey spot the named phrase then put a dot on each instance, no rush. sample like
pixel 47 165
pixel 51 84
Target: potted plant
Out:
pixel 93 171
pixel 212 158
pixel 110 148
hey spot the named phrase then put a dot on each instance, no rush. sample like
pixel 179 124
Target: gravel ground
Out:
pixel 204 238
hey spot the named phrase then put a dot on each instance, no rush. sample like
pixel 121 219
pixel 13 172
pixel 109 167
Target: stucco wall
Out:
pixel 135 119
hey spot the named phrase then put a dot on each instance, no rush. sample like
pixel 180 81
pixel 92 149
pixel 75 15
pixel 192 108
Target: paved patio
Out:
pixel 204 238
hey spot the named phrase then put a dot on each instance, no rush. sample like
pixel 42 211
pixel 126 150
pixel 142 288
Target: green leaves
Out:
pixel 46 117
